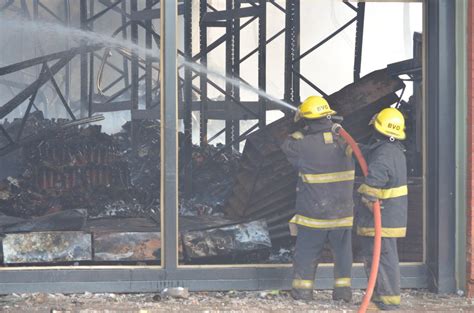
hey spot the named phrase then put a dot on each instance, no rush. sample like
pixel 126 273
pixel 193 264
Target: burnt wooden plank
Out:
pixel 47 247
pixel 226 242
pixel 127 246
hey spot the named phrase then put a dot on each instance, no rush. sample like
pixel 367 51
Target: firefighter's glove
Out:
pixel 297 116
pixel 368 203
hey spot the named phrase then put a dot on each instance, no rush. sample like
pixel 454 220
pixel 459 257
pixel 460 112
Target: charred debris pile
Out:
pixel 108 175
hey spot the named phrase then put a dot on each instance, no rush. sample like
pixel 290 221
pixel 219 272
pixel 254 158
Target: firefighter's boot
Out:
pixel 342 293
pixel 302 294
pixel 387 307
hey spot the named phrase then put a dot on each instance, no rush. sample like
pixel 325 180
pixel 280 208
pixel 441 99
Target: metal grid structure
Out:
pixel 95 95
pixel 440 258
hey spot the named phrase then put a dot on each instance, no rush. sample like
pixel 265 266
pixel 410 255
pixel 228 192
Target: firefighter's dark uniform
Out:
pixel 324 202
pixel 386 181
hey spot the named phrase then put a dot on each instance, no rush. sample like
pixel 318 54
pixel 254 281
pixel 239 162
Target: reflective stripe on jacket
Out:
pixel 386 181
pixel 324 196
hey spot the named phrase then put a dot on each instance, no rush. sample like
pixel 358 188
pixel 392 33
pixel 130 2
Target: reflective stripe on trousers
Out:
pixel 320 223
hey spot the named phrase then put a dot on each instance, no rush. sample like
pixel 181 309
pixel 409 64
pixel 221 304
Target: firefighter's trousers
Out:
pixel 387 287
pixel 309 247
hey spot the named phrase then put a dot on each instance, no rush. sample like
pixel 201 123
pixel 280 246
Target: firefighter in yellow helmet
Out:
pixel 386 182
pixel 324 200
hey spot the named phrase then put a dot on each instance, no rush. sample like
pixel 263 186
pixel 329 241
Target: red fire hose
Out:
pixel 377 221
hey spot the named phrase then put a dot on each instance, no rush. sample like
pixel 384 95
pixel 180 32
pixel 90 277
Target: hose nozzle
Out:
pixel 336 128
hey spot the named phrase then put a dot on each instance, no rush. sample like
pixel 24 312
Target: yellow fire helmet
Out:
pixel 390 122
pixel 315 107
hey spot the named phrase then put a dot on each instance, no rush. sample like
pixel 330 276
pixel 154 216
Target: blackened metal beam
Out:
pixel 91 63
pixel 101 13
pixel 206 50
pixel 35 61
pixel 231 14
pixel 229 129
pixel 236 141
pixel 213 9
pixel 217 135
pixel 112 106
pixel 322 42
pixel 359 40
pixel 236 70
pixel 28 109
pixel 310 83
pixel 123 90
pixel 134 75
pixel 134 57
pixel 279 7
pixel 108 3
pixel 203 51
pixel 350 5
pixel 187 103
pixel 50 12
pixel 290 33
pixel 59 93
pixel 150 14
pixel 216 24
pixel 28 91
pixel 248 55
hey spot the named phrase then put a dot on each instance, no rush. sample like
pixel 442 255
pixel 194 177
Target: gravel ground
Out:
pixel 265 301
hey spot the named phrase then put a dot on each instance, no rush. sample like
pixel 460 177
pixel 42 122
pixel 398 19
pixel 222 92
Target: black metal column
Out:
pixel 134 73
pixel 91 63
pixel 203 76
pixel 441 95
pixel 187 103
pixel 291 94
pixel 262 60
pixel 359 39
pixel 232 64
pixel 169 138
pixel 236 71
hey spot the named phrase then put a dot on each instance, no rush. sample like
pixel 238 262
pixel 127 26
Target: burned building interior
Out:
pixel 80 132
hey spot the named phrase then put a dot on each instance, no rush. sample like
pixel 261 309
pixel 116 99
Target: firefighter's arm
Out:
pixel 343 145
pixel 377 178
pixel 292 147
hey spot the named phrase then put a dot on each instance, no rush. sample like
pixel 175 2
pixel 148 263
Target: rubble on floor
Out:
pixel 231 301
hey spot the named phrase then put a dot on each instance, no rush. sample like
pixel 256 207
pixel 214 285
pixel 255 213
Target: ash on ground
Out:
pixel 232 301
